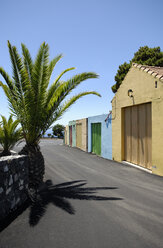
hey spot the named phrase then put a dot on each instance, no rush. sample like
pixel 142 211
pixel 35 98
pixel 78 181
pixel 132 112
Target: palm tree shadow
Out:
pixel 58 195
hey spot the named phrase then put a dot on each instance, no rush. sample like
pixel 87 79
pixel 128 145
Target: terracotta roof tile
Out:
pixel 154 74
pixel 159 76
pixel 147 69
pixel 153 70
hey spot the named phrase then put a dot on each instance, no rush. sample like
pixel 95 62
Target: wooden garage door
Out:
pixel 79 135
pixel 138 135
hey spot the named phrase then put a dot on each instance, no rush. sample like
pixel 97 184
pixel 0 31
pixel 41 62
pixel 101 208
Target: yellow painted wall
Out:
pixel 79 134
pixel 143 86
pixel 84 145
pixel 67 135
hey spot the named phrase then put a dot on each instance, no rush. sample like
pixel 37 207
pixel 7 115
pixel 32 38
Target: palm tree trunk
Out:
pixel 36 166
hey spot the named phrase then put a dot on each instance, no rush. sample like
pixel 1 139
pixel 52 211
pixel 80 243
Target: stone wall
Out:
pixel 13 183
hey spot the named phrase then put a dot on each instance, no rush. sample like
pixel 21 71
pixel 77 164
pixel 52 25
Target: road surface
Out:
pixel 132 215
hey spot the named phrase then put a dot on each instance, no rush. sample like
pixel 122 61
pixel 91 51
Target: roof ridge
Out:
pixel 148 69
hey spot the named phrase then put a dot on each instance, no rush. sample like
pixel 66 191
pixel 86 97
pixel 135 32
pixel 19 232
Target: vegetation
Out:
pixel 9 134
pixel 144 56
pixel 36 104
pixel 119 77
pixel 58 130
pixel 148 56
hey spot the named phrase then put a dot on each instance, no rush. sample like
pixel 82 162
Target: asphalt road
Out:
pixel 130 216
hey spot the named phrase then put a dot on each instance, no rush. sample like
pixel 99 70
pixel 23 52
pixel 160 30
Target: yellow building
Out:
pixel 66 139
pixel 82 134
pixel 137 118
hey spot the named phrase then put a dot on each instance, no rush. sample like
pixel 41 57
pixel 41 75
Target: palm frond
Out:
pixel 38 68
pixel 7 78
pixel 9 134
pixel 10 90
pixel 19 77
pixel 11 99
pixel 6 89
pixel 51 91
pixel 16 65
pixel 28 64
pixel 55 85
pixel 53 63
pixel 34 104
pixel 65 106
pixel 70 102
pixel 65 88
pixel 63 72
pixel 35 100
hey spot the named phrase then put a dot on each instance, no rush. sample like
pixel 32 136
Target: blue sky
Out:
pixel 93 35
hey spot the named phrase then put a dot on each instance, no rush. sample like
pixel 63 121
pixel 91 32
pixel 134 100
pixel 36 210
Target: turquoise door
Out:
pixel 96 138
pixel 73 135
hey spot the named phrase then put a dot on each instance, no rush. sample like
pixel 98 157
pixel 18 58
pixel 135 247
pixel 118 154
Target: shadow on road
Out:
pixel 58 195
pixel 13 215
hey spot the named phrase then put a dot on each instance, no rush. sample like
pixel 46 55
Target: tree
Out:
pixel 148 56
pixel 9 134
pixel 119 77
pixel 58 130
pixel 36 105
pixel 144 56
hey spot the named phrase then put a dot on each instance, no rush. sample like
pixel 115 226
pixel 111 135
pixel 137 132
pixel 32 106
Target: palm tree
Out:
pixel 36 104
pixel 9 134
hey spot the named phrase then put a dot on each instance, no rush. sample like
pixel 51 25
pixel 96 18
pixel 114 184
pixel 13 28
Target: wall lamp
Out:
pixel 130 93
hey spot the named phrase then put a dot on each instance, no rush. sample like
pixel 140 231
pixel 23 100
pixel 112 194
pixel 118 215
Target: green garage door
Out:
pixel 96 138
